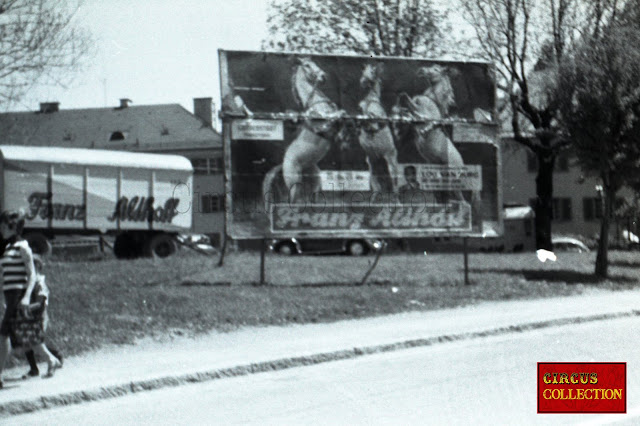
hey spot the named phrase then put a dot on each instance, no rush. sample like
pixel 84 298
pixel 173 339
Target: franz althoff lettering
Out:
pixel 140 209
pixel 39 205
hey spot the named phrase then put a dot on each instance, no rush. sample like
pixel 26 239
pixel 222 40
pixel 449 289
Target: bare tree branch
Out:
pixel 380 27
pixel 39 43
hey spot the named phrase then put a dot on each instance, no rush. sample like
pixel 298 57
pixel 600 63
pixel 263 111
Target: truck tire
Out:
pixel 39 243
pixel 126 246
pixel 160 245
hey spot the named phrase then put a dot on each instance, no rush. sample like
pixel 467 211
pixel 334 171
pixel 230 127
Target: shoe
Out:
pixel 52 368
pixel 30 373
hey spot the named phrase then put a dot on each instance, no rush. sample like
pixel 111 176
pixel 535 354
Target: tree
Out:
pixel 600 109
pixel 368 27
pixel 39 42
pixel 526 40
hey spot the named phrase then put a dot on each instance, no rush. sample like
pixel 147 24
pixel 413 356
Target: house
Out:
pixel 577 200
pixel 147 128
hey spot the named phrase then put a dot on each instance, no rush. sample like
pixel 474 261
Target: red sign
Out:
pixel 582 387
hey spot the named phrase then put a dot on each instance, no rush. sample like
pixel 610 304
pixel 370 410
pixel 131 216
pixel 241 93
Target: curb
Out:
pixel 65 399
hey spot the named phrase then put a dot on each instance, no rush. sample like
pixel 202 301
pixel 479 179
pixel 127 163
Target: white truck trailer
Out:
pixel 144 200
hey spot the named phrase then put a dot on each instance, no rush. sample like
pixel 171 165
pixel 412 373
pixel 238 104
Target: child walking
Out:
pixel 31 329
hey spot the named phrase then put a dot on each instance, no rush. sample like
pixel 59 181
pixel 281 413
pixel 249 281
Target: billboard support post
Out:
pixel 466 260
pixel 263 245
pixel 383 245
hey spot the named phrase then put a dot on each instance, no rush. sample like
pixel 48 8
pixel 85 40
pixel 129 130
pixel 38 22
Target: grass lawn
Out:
pixel 107 301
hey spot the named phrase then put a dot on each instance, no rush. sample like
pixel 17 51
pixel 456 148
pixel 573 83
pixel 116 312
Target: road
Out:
pixel 482 381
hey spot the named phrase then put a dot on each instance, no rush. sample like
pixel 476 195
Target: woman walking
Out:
pixel 18 282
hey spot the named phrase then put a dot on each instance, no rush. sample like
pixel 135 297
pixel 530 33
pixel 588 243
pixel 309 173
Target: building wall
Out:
pixel 208 189
pixel 576 199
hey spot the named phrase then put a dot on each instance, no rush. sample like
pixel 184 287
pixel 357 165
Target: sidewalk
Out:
pixel 150 364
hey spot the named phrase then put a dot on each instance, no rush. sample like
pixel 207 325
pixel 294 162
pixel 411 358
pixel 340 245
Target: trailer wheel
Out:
pixel 126 246
pixel 39 243
pixel 160 245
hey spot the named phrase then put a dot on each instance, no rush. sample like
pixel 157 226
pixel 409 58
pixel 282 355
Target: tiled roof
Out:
pixel 143 127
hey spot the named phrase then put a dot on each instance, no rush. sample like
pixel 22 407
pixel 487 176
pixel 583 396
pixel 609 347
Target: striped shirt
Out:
pixel 14 270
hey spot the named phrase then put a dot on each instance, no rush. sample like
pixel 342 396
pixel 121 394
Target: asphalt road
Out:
pixel 484 381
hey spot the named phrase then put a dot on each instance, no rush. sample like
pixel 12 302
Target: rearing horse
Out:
pixel 433 144
pixel 299 166
pixel 375 137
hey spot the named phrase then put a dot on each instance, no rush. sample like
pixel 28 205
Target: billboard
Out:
pixel 327 145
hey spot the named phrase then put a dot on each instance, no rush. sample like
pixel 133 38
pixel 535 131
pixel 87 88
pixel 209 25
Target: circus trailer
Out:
pixel 143 200
pixel 354 146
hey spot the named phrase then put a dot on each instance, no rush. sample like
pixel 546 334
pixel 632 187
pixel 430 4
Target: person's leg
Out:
pixel 33 365
pixel 52 362
pixel 55 352
pixel 11 298
pixel 52 349
pixel 5 348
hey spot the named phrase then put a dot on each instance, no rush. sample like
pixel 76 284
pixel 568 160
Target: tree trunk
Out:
pixel 544 200
pixel 602 259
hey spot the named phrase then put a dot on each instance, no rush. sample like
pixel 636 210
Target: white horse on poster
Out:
pixel 431 141
pixel 433 144
pixel 322 125
pixel 375 137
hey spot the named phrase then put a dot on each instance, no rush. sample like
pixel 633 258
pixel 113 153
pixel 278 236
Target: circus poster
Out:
pixel 328 145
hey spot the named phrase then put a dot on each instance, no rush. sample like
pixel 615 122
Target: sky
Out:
pixel 156 51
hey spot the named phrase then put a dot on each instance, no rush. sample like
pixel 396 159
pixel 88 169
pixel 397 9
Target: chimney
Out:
pixel 202 108
pixel 124 103
pixel 49 107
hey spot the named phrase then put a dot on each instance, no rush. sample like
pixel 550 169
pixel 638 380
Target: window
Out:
pixel 212 203
pixel 207 166
pixel 592 208
pixel 200 166
pixel 216 166
pixel 561 209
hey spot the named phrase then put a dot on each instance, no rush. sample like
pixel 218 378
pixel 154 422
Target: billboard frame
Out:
pixel 230 117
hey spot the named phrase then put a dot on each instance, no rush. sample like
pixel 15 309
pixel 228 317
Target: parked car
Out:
pixel 351 246
pixel 198 242
pixel 569 244
pixel 631 239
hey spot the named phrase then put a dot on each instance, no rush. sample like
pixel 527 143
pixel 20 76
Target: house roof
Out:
pixel 133 128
